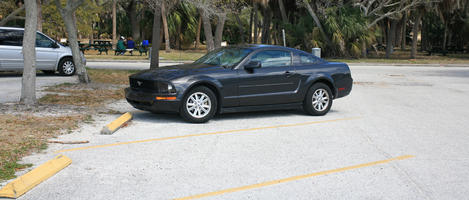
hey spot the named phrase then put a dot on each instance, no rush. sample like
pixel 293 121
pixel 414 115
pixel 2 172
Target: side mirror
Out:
pixel 252 65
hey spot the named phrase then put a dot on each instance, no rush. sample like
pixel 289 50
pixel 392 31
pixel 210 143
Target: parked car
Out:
pixel 51 56
pixel 242 78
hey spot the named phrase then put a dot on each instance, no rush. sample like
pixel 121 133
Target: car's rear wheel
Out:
pixel 67 67
pixel 199 105
pixel 318 100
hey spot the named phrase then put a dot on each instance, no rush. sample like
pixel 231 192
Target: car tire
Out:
pixel 199 105
pixel 49 72
pixel 67 67
pixel 318 100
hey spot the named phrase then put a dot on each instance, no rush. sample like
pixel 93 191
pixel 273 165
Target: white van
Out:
pixel 51 56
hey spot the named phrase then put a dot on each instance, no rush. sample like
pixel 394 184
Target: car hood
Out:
pixel 174 72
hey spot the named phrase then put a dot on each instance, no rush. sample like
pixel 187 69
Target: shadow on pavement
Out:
pixel 20 74
pixel 258 115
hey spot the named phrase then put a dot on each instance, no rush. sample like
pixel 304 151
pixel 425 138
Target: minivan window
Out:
pixel 11 37
pixel 43 41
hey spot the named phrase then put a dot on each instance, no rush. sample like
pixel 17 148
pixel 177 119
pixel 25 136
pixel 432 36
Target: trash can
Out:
pixel 316 52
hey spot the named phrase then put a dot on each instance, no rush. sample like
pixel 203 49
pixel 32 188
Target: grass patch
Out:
pixel 20 135
pixel 403 57
pixel 108 76
pixel 81 96
pixel 176 55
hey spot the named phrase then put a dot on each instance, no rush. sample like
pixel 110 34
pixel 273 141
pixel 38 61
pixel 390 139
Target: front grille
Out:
pixel 143 84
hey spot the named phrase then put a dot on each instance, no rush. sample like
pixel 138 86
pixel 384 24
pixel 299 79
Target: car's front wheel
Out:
pixel 199 105
pixel 67 67
pixel 318 100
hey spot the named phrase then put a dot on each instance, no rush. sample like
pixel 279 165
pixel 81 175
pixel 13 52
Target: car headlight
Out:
pixel 165 87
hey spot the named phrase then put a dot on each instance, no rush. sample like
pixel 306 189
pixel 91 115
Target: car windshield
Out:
pixel 226 57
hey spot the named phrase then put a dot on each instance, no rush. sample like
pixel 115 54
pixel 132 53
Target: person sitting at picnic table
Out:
pixel 130 45
pixel 120 46
pixel 145 44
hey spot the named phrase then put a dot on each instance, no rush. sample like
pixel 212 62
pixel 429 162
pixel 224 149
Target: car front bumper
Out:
pixel 147 101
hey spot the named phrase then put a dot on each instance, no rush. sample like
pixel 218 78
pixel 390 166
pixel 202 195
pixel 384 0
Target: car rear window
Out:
pixel 309 59
pixel 11 37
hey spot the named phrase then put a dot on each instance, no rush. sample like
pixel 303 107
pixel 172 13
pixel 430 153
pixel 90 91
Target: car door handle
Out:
pixel 289 73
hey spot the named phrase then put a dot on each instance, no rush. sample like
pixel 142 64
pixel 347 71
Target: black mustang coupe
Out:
pixel 241 78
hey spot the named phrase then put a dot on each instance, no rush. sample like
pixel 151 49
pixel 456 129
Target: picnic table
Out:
pixel 99 45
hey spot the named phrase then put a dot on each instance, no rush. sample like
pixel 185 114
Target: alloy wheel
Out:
pixel 68 67
pixel 320 99
pixel 198 105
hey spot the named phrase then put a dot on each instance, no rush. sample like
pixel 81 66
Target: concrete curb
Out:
pixel 24 183
pixel 137 61
pixel 116 124
pixel 408 65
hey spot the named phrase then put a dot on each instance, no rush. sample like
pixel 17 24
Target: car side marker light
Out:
pixel 165 98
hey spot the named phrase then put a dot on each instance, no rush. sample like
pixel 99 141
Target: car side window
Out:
pixel 273 58
pixel 308 59
pixel 43 41
pixel 11 37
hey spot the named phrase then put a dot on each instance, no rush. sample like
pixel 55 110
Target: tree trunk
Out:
pixel 67 14
pixel 135 26
pixel 219 30
pixel 415 32
pixel 404 31
pixel 179 36
pixel 363 49
pixel 207 30
pixel 250 26
pixel 282 11
pixel 165 28
pixel 256 22
pixel 390 39
pixel 28 87
pixel 317 22
pixel 266 26
pixel 240 27
pixel 445 37
pixel 197 36
pixel 424 43
pixel 39 15
pixel 155 53
pixel 398 33
pixel 114 24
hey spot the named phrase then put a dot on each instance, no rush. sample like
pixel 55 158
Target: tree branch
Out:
pixel 12 16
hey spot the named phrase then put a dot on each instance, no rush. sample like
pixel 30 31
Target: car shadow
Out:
pixel 145 116
pixel 20 74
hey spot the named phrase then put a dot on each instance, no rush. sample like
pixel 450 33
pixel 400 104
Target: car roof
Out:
pixel 265 46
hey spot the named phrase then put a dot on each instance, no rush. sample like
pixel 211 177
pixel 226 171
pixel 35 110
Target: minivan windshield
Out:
pixel 225 57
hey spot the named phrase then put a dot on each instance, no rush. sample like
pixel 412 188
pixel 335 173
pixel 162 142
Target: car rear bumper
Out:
pixel 344 87
pixel 147 101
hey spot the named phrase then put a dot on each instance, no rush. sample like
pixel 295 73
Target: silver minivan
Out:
pixel 51 56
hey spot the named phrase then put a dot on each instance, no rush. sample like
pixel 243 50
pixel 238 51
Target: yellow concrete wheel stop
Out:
pixel 24 183
pixel 116 124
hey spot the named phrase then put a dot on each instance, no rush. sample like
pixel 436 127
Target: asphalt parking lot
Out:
pixel 401 134
pixel 10 84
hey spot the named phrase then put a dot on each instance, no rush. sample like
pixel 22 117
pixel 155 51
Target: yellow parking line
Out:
pixel 204 134
pixel 294 178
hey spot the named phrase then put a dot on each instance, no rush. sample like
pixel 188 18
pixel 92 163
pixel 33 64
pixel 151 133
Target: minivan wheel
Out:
pixel 67 67
pixel 199 105
pixel 318 100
